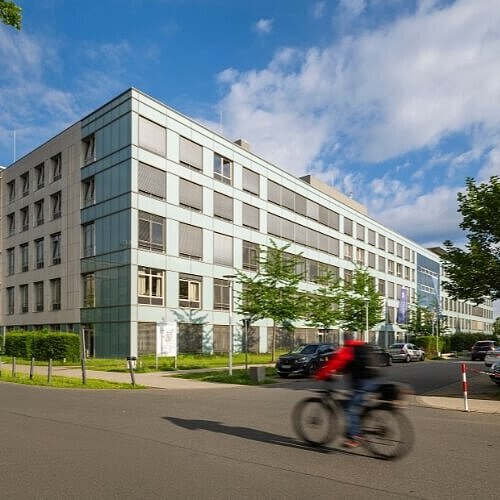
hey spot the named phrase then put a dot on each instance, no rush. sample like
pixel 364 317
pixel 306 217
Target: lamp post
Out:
pixel 367 305
pixel 230 278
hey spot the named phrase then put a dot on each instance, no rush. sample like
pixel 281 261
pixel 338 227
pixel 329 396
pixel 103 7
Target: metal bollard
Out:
pixel 13 366
pixel 32 367
pixel 131 361
pixel 49 371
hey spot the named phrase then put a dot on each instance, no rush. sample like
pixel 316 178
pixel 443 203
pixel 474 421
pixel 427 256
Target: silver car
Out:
pixel 495 372
pixel 492 356
pixel 406 352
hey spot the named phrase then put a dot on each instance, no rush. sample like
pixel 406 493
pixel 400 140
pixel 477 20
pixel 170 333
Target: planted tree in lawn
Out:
pixel 323 304
pixel 273 291
pixel 358 294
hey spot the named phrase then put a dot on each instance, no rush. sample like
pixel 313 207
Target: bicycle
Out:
pixel 386 431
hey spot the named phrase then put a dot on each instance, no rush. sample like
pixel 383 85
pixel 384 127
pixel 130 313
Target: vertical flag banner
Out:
pixel 402 317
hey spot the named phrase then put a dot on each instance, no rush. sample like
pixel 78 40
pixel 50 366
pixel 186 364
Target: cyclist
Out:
pixel 356 359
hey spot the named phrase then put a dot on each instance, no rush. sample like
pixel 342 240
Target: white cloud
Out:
pixel 410 85
pixel 353 7
pixel 318 10
pixel 264 26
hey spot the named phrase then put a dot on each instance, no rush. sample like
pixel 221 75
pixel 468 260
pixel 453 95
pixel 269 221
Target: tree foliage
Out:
pixel 274 291
pixel 10 14
pixel 475 272
pixel 357 295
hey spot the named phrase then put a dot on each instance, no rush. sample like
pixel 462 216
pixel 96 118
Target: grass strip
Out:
pixel 241 377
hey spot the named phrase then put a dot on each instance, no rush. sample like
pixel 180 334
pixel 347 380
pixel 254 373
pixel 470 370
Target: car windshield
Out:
pixel 396 346
pixel 304 349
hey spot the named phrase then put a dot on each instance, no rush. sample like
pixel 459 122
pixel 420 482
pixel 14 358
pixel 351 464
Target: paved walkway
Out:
pixel 165 380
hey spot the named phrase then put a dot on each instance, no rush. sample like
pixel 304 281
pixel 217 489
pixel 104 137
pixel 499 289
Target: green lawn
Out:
pixel 239 376
pixel 65 382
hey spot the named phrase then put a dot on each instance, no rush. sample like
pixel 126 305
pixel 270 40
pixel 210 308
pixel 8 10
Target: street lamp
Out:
pixel 230 278
pixel 367 304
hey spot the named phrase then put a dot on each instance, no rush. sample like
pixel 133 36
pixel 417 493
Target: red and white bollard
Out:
pixel 464 386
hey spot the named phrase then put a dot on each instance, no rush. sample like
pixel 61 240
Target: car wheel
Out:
pixel 422 357
pixel 312 369
pixel 283 375
pixel 389 361
pixel 408 358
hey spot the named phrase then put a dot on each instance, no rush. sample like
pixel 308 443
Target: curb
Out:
pixel 457 404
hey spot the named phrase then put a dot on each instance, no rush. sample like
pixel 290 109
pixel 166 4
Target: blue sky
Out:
pixel 394 102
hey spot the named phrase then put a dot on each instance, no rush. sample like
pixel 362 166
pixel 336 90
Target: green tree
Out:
pixel 273 291
pixel 420 319
pixel 323 305
pixel 359 294
pixel 496 327
pixel 10 14
pixel 475 272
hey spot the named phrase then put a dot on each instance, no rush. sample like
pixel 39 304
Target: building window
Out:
pixel 23 289
pixel 390 245
pixel 56 167
pixel 407 273
pixel 190 241
pixel 88 192
pixel 347 251
pixel 381 287
pixel 288 199
pixel 39 212
pixel 11 190
pixel 55 293
pixel 390 290
pixel 55 201
pixel 190 291
pixel 223 206
pixel 40 175
pixel 371 260
pixel 399 250
pixel 347 276
pixel 250 256
pixel 89 290
pixel 223 249
pixel 251 181
pixel 381 242
pixel 381 264
pixel 88 147
pixel 190 153
pixel 151 136
pixel 25 183
pixel 371 237
pixel 38 296
pixel 360 232
pixel 39 260
pixel 390 266
pixel 347 226
pixel 152 181
pixel 273 192
pixel 55 240
pixel 250 216
pixel 88 231
pixel 151 232
pixel 312 209
pixel 407 254
pixel 11 261
pixel 25 218
pixel 10 300
pixel 399 270
pixel 223 169
pixel 190 195
pixel 11 224
pixel 150 290
pixel 221 295
pixel 25 257
pixel 360 256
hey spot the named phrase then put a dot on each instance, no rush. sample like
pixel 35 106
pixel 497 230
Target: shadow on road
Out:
pixel 243 432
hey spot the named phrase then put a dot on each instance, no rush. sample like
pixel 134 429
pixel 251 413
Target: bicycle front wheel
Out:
pixel 388 433
pixel 314 421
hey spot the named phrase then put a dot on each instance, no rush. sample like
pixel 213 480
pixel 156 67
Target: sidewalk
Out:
pixel 166 380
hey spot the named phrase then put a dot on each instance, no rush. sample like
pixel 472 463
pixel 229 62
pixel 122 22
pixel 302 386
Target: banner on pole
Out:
pixel 166 338
pixel 402 316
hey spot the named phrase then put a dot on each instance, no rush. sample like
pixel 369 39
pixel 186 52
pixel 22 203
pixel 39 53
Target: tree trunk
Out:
pixel 273 343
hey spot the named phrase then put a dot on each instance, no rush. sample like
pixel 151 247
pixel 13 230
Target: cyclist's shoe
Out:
pixel 353 442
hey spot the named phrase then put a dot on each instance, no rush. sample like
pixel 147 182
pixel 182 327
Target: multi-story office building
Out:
pixel 133 216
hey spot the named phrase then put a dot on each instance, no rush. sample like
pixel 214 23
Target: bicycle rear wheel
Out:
pixel 388 433
pixel 315 421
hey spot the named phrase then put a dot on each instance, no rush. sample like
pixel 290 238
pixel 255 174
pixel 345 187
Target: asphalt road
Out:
pixel 222 443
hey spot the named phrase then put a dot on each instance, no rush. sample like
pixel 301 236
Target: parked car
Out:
pixel 304 359
pixel 492 356
pixel 383 357
pixel 480 348
pixel 404 351
pixel 495 372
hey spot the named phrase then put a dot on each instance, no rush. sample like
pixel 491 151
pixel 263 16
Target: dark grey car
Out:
pixel 304 359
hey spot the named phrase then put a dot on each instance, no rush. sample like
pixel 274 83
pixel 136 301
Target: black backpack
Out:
pixel 364 364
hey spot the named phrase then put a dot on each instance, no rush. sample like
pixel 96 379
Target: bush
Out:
pixel 428 344
pixel 464 341
pixel 43 345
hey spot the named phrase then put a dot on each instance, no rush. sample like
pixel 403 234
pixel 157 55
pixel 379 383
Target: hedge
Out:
pixel 43 345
